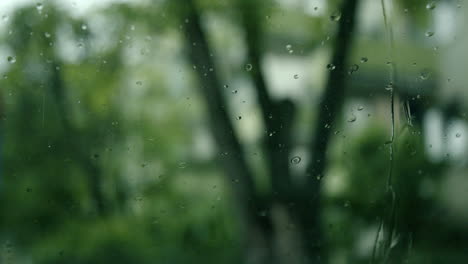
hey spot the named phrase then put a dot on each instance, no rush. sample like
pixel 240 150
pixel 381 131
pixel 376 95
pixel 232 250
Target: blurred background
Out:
pixel 233 131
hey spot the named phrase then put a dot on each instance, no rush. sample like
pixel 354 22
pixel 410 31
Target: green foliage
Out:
pixel 107 158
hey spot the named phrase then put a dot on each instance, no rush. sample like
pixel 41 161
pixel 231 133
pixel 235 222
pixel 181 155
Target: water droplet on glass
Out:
pixel 234 91
pixel 5 18
pixel 239 117
pixel 431 5
pixel 47 35
pixel 347 203
pixel 182 165
pixel 429 34
pixel 352 119
pixel 288 47
pixel 331 66
pixel 296 160
pixel 84 27
pixel 248 67
pixel 354 68
pixel 389 87
pixel 458 135
pixel 296 76
pixel 425 74
pixel 139 83
pixel 360 108
pixel 226 86
pixel 364 59
pixel 11 59
pixel 336 16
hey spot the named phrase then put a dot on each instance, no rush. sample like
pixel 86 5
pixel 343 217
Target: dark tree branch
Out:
pixel 234 162
pixel 334 94
pixel 308 206
pixel 221 126
pixel 92 170
pixel 277 116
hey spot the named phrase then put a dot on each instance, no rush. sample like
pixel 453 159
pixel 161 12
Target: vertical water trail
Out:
pixel 387 222
pixel 392 85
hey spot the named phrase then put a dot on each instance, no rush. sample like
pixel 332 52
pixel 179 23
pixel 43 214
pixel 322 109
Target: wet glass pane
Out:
pixel 233 131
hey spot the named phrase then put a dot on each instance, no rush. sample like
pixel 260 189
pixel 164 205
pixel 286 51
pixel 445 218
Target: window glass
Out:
pixel 233 131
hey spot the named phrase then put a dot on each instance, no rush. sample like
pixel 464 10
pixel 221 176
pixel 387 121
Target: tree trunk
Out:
pixel 234 163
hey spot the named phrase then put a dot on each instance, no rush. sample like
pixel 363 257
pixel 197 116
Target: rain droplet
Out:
pixel 354 68
pixel 239 117
pixel 336 16
pixel 360 108
pixel 248 67
pixel 11 59
pixel 226 86
pixel 331 66
pixel 234 91
pixel 5 18
pixel 429 34
pixel 47 35
pixel 296 160
pixel 182 165
pixel 289 47
pixel 352 119
pixel 425 74
pixel 389 87
pixel 458 135
pixel 139 83
pixel 431 5
pixel 364 59
pixel 84 27
pixel 296 76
